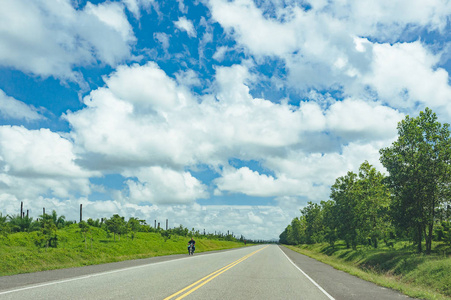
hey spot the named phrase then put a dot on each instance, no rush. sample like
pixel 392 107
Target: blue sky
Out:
pixel 223 115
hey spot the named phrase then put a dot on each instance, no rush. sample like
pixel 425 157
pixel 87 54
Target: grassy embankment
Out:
pixel 19 254
pixel 400 268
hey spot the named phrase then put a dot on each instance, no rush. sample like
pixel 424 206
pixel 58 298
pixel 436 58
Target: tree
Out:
pixel 4 226
pixel 48 235
pixel 18 223
pixel 343 194
pixel 361 204
pixel 116 225
pixel 373 204
pixel 329 221
pixel 84 229
pixel 418 163
pixel 58 221
pixel 314 229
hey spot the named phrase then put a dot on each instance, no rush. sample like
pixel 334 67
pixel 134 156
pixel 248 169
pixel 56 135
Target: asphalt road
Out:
pixel 260 272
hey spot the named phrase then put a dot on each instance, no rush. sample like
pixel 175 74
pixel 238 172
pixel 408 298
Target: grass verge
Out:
pixel 19 254
pixel 416 275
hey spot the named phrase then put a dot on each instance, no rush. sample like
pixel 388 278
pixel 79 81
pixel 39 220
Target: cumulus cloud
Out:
pixel 56 37
pixel 33 162
pixel 186 25
pixel 11 108
pixel 327 47
pixel 134 6
pixel 164 186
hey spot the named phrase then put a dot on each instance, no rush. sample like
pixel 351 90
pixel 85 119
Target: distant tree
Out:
pixel 117 225
pixel 48 234
pixel 20 223
pixel 418 163
pixel 4 226
pixel 343 194
pixel 285 236
pixel 60 221
pixel 314 226
pixel 373 204
pixel 298 231
pixel 134 225
pixel 329 221
pixel 84 230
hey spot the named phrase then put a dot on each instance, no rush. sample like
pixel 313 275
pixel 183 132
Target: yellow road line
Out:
pixel 209 277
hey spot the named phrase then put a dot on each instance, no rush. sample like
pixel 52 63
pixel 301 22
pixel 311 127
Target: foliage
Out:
pixel 419 167
pixel 117 225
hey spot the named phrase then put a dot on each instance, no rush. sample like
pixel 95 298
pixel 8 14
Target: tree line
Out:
pixel 412 202
pixel 47 225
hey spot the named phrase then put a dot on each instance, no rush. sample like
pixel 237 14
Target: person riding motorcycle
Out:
pixel 193 243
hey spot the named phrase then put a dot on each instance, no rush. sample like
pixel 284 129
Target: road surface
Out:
pixel 259 272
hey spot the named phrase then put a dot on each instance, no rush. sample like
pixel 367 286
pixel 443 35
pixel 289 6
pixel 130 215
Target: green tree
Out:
pixel 84 230
pixel 314 226
pixel 116 225
pixel 343 194
pixel 329 221
pixel 60 221
pixel 4 226
pixel 20 223
pixel 285 236
pixel 48 234
pixel 373 203
pixel 419 166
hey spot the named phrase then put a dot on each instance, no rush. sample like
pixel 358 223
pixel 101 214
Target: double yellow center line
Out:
pixel 192 287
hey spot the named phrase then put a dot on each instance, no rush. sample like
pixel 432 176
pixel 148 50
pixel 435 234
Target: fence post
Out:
pixel 81 212
pixel 21 209
pixel 166 224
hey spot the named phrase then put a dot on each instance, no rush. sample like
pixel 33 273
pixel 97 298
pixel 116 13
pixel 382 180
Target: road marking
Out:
pixel 201 282
pixel 308 277
pixel 97 274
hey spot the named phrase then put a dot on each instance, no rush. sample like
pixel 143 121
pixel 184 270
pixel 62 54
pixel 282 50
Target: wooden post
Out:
pixel 81 212
pixel 27 213
pixel 21 209
pixel 158 225
pixel 155 226
pixel 166 224
pixel 43 211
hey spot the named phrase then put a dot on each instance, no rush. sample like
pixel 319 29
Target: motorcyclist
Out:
pixel 193 243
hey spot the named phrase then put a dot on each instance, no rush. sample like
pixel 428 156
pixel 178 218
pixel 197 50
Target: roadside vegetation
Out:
pixel 392 229
pixel 51 242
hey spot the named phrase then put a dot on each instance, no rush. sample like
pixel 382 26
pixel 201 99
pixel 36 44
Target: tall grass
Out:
pixel 401 268
pixel 19 254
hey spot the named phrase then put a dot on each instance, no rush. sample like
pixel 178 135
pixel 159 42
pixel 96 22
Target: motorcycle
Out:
pixel 190 249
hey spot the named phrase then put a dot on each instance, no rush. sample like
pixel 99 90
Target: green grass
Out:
pixel 417 275
pixel 19 254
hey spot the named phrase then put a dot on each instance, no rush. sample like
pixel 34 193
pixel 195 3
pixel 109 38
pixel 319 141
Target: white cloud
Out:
pixel 163 38
pixel 55 37
pixel 33 162
pixel 404 73
pixel 220 53
pixel 186 25
pixel 359 120
pixel 11 108
pixel 134 6
pixel 321 47
pixel 164 186
pixel 252 183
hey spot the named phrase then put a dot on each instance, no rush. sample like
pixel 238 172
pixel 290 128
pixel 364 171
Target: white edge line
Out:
pixel 308 277
pixel 103 273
